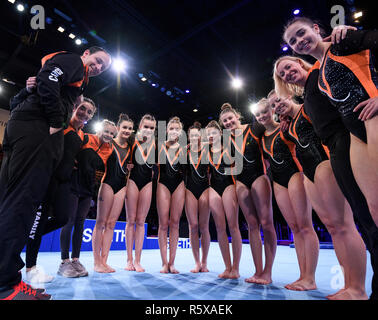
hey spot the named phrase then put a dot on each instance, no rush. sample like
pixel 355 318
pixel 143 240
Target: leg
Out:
pixel 191 210
pixel 365 174
pixel 216 207
pixel 204 216
pixel 176 207
pixel 262 198
pixel 144 203
pixel 231 208
pixel 309 241
pixel 248 208
pixel 77 236
pixel 349 247
pixel 31 155
pixel 131 205
pixel 163 200
pixel 118 203
pixel 104 205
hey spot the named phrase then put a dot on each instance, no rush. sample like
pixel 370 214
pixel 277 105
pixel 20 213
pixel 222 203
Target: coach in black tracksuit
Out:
pixel 33 146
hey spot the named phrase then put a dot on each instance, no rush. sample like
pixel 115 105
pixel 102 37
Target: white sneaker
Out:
pixel 37 275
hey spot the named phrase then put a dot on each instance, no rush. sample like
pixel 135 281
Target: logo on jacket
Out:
pixel 55 74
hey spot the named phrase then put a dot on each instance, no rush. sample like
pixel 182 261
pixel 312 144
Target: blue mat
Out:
pixel 153 285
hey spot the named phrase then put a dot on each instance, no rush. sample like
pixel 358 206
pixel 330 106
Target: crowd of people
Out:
pixel 313 133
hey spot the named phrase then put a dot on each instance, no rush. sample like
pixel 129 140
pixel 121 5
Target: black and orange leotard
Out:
pixel 116 167
pixel 197 173
pixel 143 155
pixel 348 76
pixel 251 153
pixel 308 148
pixel 220 170
pixel 280 156
pixel 170 164
pixel 91 158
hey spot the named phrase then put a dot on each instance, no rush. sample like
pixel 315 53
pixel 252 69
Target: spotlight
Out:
pixel 168 93
pixel 20 7
pixel 252 106
pixel 140 75
pixel 237 83
pixel 119 65
pixel 72 36
pixel 143 79
pixel 61 29
pixel 162 89
pixel 195 110
pixel 187 91
pixel 285 48
pixel 296 11
pixel 12 1
pixel 154 84
pixel 357 15
pixel 97 126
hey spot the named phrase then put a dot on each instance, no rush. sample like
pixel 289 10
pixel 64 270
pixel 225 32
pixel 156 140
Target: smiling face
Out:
pixel 263 113
pixel 125 129
pixel 230 120
pixel 147 128
pixel 173 131
pixel 279 105
pixel 213 135
pixel 83 113
pixel 291 72
pixel 108 132
pixel 96 62
pixel 302 37
pixel 194 136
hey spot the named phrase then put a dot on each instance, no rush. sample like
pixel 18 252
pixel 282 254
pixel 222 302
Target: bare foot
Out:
pixel 253 279
pixel 260 279
pixel 225 274
pixel 164 269
pixel 197 268
pixel 109 269
pixel 289 285
pixel 234 274
pixel 303 285
pixel 333 294
pixel 100 268
pixel 130 266
pixel 349 294
pixel 138 267
pixel 204 268
pixel 172 269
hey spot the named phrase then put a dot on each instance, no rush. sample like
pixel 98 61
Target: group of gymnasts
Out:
pixel 314 132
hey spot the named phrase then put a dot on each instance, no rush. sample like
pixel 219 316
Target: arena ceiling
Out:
pixel 177 45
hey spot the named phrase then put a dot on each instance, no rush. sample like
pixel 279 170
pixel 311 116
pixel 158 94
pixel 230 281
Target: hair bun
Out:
pixel 197 124
pixel 226 106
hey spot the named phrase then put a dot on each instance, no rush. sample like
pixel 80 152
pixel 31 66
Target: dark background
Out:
pixel 179 45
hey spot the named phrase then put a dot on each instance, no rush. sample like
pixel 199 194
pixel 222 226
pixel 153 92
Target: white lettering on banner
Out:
pixel 87 235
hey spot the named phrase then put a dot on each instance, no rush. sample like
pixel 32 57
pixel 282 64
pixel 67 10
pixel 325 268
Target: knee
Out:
pixel 110 225
pixel 193 228
pixel 295 228
pixel 267 224
pixel 174 224
pixel 139 223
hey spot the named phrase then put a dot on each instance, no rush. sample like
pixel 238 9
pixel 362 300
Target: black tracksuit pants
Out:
pixel 339 147
pixel 31 155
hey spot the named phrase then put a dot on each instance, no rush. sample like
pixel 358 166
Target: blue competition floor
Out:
pixel 152 285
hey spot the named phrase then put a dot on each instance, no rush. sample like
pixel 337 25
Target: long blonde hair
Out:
pixel 287 89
